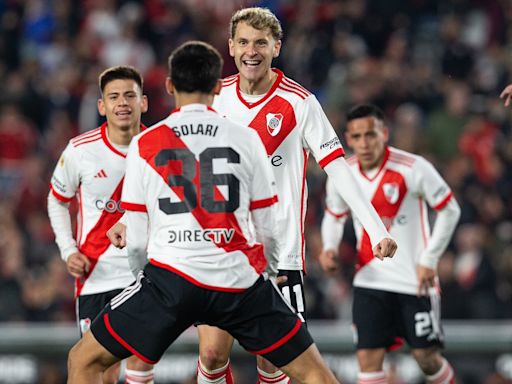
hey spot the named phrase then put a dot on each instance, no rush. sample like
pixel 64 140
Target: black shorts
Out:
pixel 150 314
pixel 382 319
pixel 293 291
pixel 88 307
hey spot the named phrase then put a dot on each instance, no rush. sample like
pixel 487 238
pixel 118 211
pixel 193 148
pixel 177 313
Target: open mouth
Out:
pixel 251 63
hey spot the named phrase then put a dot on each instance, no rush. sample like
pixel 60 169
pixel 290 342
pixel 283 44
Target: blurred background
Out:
pixel 436 67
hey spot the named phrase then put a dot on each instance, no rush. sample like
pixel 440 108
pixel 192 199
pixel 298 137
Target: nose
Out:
pixel 250 49
pixel 123 100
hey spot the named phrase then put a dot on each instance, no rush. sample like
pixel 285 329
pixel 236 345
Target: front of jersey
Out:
pixel 92 170
pixel 399 191
pixel 291 124
pixel 198 176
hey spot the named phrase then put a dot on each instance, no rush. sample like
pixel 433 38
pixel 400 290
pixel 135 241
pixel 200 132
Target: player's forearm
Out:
pixel 347 186
pixel 445 224
pixel 136 239
pixel 332 231
pixel 60 221
pixel 266 234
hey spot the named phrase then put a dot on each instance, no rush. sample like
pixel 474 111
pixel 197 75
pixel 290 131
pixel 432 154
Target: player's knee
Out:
pixel 429 360
pixel 213 357
pixel 370 360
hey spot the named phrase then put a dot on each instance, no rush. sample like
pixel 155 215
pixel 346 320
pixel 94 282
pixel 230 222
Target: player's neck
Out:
pixel 121 136
pixel 260 86
pixel 183 99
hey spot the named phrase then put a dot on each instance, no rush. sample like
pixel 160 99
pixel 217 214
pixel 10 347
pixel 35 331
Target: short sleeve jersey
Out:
pixel 399 192
pixel 92 170
pixel 291 124
pixel 198 176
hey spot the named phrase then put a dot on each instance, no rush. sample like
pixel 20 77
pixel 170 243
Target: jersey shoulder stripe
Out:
pixel 91 140
pixel 295 85
pixel 86 135
pixel 290 90
pixel 401 160
pixel 229 81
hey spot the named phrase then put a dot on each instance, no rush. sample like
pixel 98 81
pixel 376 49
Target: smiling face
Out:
pixel 122 103
pixel 367 136
pixel 253 51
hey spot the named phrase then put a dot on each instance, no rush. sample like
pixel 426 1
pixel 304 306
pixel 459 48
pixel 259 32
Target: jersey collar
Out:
pixel 274 86
pixel 107 142
pixel 193 108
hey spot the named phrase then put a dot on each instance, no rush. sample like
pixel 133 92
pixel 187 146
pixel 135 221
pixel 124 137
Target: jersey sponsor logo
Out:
pixel 59 185
pixel 215 235
pixel 101 174
pixel 332 143
pixel 274 123
pixel 61 161
pixel 110 206
pixel 85 324
pixel 276 160
pixel 391 192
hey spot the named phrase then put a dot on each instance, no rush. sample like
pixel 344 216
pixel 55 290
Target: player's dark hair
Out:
pixel 365 110
pixel 121 72
pixel 195 66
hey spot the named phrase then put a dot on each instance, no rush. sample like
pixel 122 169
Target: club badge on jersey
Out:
pixel 274 123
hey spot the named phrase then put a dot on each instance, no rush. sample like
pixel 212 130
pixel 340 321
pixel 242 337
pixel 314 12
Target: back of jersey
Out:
pixel 198 175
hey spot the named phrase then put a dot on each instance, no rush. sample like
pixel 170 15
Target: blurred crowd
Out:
pixel 436 67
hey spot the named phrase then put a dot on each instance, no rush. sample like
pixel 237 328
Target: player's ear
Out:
pixel 231 45
pixel 169 86
pixel 277 48
pixel 101 107
pixel 145 105
pixel 217 87
pixel 385 133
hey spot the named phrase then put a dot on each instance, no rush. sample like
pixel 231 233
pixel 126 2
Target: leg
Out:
pixel 87 361
pixel 138 372
pixel 269 373
pixel 371 362
pixel 214 350
pixel 111 374
pixel 291 285
pixel 309 367
pixel 435 367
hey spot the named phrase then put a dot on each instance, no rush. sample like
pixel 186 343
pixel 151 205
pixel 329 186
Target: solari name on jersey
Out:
pixel 191 129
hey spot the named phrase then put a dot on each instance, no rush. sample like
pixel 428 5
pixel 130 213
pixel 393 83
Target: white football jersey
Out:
pixel 399 191
pixel 291 123
pixel 198 175
pixel 92 170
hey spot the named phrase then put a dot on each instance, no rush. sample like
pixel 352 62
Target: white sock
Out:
pixel 277 377
pixel 216 376
pixel 443 376
pixel 138 377
pixel 372 378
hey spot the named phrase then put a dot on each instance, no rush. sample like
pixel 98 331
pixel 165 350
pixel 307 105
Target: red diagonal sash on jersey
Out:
pixel 387 201
pixel 97 242
pixel 163 137
pixel 276 105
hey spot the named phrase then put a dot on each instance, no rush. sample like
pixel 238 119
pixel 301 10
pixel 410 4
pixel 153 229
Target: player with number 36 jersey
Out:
pixel 200 228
